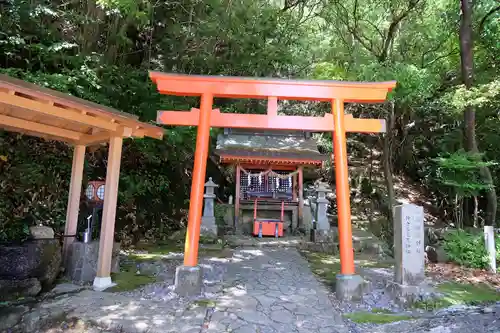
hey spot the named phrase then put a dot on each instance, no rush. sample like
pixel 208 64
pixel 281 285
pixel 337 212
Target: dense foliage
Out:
pixel 467 249
pixel 101 51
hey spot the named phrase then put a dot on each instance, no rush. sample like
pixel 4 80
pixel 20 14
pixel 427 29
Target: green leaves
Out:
pixel 460 171
pixel 467 249
pixel 480 96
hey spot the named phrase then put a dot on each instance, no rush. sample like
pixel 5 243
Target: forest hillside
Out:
pixel 443 117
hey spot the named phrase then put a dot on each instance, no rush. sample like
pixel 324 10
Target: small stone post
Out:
pixel 489 242
pixel 208 225
pixel 409 271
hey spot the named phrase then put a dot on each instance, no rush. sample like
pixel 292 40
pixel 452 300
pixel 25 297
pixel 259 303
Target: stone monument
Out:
pixel 409 252
pixel 322 234
pixel 208 223
pixel 409 244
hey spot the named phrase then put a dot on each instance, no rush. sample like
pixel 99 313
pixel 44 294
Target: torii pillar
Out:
pixel 188 277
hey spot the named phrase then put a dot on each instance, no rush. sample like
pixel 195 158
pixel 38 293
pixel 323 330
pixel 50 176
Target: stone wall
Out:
pixel 33 265
pixel 81 265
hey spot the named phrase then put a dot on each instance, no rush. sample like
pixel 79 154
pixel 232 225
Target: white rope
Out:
pixel 270 173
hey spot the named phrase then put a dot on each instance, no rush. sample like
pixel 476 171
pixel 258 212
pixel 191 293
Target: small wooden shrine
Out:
pixel 269 177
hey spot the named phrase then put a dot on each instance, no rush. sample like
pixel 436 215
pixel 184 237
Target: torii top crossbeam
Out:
pixel 335 92
pixel 246 87
pixel 273 90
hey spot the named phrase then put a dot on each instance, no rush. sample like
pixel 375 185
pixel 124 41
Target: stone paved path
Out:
pixel 272 290
pixel 267 290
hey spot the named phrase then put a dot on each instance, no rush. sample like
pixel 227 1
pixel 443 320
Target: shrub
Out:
pixel 468 249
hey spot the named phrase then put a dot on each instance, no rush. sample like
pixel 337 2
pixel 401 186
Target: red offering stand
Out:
pixel 268 226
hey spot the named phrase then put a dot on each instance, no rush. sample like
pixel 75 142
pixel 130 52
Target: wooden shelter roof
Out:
pixel 282 147
pixel 38 111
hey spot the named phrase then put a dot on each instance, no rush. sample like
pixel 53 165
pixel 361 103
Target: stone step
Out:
pixel 250 241
pixel 364 241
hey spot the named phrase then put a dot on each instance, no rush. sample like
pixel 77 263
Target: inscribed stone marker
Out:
pixel 409 244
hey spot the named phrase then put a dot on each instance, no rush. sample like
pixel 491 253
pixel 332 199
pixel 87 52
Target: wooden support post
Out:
pixel 294 187
pixel 343 194
pixel 75 190
pixel 301 196
pixel 198 183
pixel 272 106
pixel 237 197
pixel 103 278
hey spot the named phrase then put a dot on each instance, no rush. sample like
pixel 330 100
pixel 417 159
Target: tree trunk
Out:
pixel 388 171
pixel 470 143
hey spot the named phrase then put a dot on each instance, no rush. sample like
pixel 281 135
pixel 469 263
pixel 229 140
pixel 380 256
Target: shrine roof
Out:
pixel 277 145
pixel 38 111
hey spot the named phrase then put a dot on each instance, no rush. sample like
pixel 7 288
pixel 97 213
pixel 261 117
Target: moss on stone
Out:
pixel 372 262
pixel 380 310
pixel 375 318
pixel 207 303
pixel 215 252
pixel 160 248
pixel 156 252
pixel 327 266
pixel 459 293
pixel 129 280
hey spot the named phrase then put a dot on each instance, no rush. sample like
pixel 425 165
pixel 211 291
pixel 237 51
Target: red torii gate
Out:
pixel 336 92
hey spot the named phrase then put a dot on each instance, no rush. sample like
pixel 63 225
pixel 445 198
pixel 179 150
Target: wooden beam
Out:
pixel 153 132
pixel 90 140
pixel 269 161
pixel 139 133
pixel 272 106
pixel 342 190
pixel 37 135
pixel 268 166
pixel 103 277
pixel 104 136
pixel 198 183
pixel 301 196
pixel 257 121
pixel 294 187
pixel 30 126
pixel 246 87
pixel 75 189
pixel 50 110
pixel 237 198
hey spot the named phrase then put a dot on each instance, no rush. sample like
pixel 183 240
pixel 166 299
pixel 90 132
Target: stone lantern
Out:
pixel 208 223
pixel 322 222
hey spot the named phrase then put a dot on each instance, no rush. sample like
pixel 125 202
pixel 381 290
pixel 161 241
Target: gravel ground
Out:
pixel 379 298
pixel 164 270
pixel 458 319
pixel 257 290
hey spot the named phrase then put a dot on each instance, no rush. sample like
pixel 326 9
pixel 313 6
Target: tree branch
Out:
pixel 435 49
pixel 486 17
pixel 393 27
pixel 440 57
pixel 354 31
